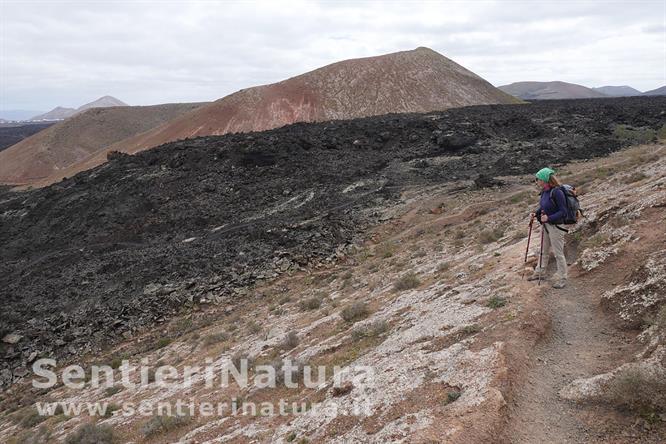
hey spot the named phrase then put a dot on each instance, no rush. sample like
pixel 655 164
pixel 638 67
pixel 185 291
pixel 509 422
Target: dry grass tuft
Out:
pixel 355 312
pixel 640 390
pixel 407 281
pixel 91 433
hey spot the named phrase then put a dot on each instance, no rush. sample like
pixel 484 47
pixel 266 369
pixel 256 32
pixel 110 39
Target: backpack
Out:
pixel 572 210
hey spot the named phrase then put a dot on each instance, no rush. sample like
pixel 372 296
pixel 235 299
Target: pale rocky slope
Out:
pixel 449 348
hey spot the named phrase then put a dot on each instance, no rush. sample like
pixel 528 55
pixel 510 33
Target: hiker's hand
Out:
pixel 544 218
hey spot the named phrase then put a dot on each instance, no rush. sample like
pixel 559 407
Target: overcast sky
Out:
pixel 68 53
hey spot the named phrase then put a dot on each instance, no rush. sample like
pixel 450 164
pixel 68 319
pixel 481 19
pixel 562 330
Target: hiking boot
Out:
pixel 560 284
pixel 536 276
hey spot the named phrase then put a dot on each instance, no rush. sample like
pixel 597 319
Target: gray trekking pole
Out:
pixel 541 253
pixel 529 237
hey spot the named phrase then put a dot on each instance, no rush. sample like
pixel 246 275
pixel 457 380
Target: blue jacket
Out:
pixel 556 212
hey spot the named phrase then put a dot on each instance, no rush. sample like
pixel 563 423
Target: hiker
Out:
pixel 550 214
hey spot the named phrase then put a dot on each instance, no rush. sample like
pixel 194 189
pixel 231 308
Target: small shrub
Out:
pixel 370 331
pixel 110 409
pixel 635 177
pixel 406 282
pixel 443 267
pixel 355 312
pixel 420 253
pixel 284 299
pixel 215 338
pixel 151 375
pixel 452 396
pixel 277 311
pixel 254 327
pixel 601 173
pixel 385 250
pixel 640 390
pixel 41 435
pixel 634 135
pixel 297 371
pixel 31 418
pixel 471 329
pixel 522 197
pixel 342 390
pixel 496 302
pixel 490 236
pixel 160 424
pixel 661 133
pixel 239 356
pixel 312 303
pixel 115 155
pixel 290 437
pixel 596 240
pixel 399 265
pixel 163 342
pixel 91 434
pixel 290 340
pixel 116 363
pixel 110 391
pixel 182 326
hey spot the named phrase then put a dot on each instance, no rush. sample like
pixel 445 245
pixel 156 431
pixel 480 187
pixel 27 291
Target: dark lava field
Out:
pixel 124 246
pixel 11 133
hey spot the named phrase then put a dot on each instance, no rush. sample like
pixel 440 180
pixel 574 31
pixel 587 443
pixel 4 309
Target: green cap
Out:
pixel 544 174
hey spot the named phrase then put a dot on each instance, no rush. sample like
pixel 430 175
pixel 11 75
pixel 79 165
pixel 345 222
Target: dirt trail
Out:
pixel 582 343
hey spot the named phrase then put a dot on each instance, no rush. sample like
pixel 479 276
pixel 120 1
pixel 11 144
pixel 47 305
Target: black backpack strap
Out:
pixel 552 199
pixel 560 228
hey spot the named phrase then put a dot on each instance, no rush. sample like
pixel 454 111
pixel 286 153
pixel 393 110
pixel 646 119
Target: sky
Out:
pixel 146 52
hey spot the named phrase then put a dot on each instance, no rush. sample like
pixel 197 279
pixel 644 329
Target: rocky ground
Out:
pixel 133 242
pixel 429 240
pixel 462 348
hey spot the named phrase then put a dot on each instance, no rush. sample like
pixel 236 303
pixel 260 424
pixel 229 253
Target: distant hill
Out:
pixel 656 92
pixel 618 91
pixel 102 102
pixel 59 113
pixel 79 137
pixel 549 90
pixel 420 80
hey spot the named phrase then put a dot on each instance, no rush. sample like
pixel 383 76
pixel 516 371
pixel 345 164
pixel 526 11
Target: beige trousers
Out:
pixel 553 240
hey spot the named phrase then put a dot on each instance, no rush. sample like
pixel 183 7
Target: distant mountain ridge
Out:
pixel 549 90
pixel 618 91
pixel 562 90
pixel 59 112
pixel 661 91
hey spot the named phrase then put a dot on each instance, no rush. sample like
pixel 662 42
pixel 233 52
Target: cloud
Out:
pixel 70 52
